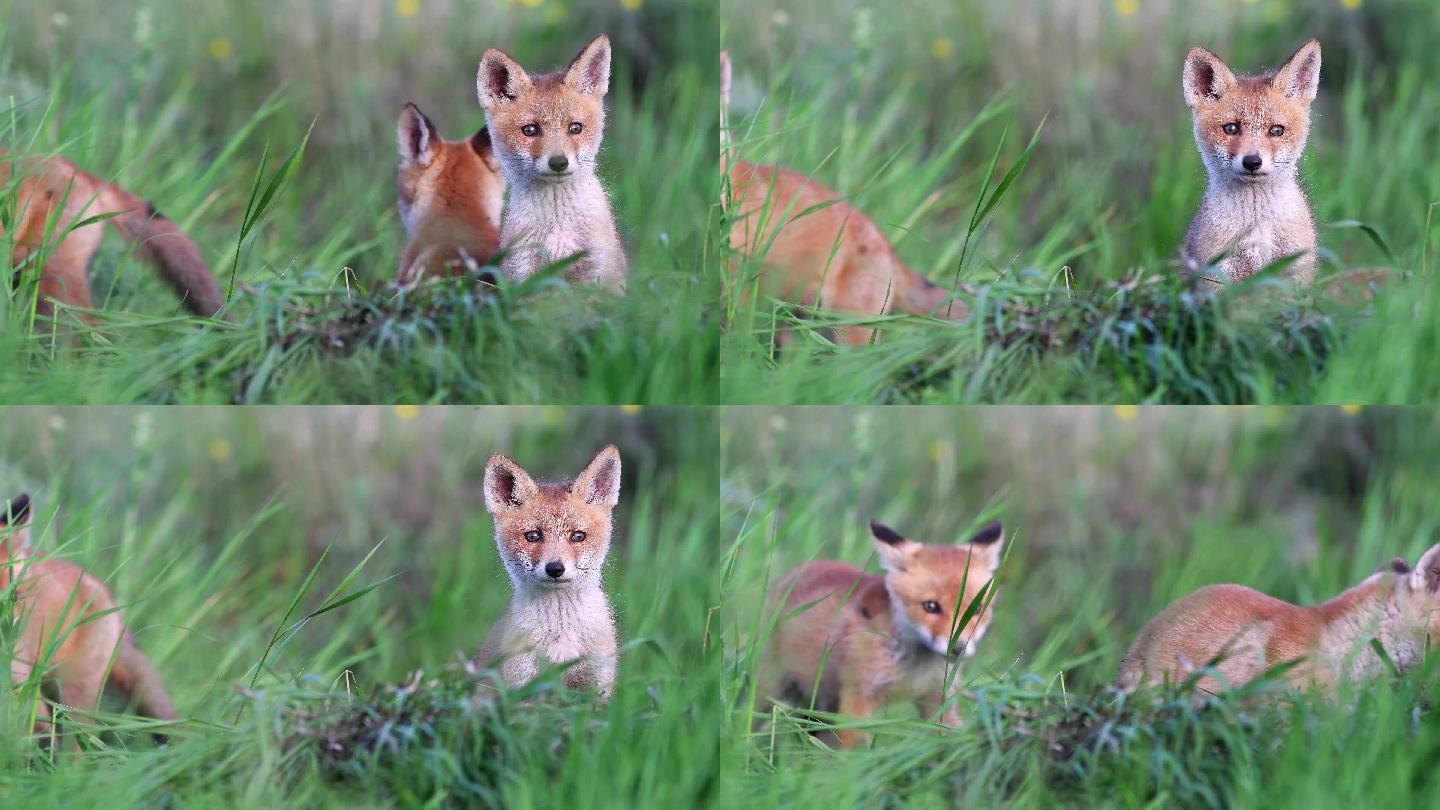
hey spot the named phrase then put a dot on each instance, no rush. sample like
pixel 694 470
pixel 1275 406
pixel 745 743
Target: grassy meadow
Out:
pixel 267 131
pixel 1040 153
pixel 287 569
pixel 1111 513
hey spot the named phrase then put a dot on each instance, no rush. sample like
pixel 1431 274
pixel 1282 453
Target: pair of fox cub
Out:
pixel 1250 131
pixel 849 642
pixel 541 142
pixel 553 539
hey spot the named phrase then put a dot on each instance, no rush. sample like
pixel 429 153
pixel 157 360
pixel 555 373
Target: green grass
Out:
pixel 921 127
pixel 1110 515
pixel 207 523
pixel 183 102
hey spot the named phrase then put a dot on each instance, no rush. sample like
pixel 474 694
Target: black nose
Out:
pixel 558 163
pixel 1250 162
pixel 555 569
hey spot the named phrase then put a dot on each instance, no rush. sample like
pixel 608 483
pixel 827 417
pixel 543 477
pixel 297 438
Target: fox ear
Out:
pixel 485 148
pixel 507 487
pixel 599 482
pixel 988 545
pixel 501 79
pixel 15 511
pixel 1206 78
pixel 1426 576
pixel 589 73
pixel 416 135
pixel 892 548
pixel 1300 76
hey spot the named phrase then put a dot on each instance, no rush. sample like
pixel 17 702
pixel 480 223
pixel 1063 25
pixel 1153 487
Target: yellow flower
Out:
pixel 942 48
pixel 531 3
pixel 1352 3
pixel 632 5
pixel 1126 8
pixel 221 49
pixel 1126 413
pixel 407 8
pixel 1350 410
pixel 630 408
pixel 936 449
pixel 219 449
pixel 407 413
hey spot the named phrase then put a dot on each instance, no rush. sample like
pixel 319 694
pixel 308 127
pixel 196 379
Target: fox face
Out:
pixel 1248 128
pixel 932 586
pixel 546 127
pixel 553 536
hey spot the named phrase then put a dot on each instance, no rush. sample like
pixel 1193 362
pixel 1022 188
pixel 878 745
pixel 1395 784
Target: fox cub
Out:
pixel 817 249
pixel 451 193
pixel 1246 632
pixel 55 198
pixel 69 623
pixel 547 130
pixel 872 638
pixel 1251 131
pixel 553 539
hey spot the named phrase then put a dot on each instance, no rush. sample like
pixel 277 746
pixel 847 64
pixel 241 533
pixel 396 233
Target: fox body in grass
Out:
pixel 52 196
pixel 553 539
pixel 1248 632
pixel 1251 131
pixel 833 257
pixel 450 197
pixel 69 622
pixel 880 637
pixel 546 131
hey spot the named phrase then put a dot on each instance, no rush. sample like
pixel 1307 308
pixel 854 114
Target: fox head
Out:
pixel 14 528
pixel 446 188
pixel 1249 128
pixel 553 535
pixel 932 586
pixel 546 127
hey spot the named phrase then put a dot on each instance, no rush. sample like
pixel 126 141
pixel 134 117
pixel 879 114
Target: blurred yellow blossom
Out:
pixel 630 408
pixel 1352 3
pixel 219 449
pixel 632 5
pixel 407 8
pixel 407 413
pixel 942 48
pixel 1126 8
pixel 1126 413
pixel 1350 409
pixel 220 49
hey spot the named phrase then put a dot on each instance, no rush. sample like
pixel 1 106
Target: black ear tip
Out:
pixel 884 533
pixel 1400 566
pixel 17 511
pixel 990 533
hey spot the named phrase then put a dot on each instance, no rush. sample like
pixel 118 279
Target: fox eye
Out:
pixel 1276 131
pixel 577 537
pixel 533 537
pixel 1231 129
pixel 575 128
pixel 931 606
pixel 530 130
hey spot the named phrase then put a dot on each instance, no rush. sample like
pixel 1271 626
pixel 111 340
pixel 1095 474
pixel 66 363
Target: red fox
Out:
pixel 547 130
pixel 1246 632
pixel 53 198
pixel 69 622
pixel 451 193
pixel 553 539
pixel 833 257
pixel 1251 131
pixel 860 640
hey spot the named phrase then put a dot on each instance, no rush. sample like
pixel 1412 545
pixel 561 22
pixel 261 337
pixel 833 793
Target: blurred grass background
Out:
pixel 1110 513
pixel 903 112
pixel 179 100
pixel 205 522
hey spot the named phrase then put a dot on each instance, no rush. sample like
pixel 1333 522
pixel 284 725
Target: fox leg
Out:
pixel 855 702
pixel 519 669
pixel 930 705
pixel 19 673
pixel 64 279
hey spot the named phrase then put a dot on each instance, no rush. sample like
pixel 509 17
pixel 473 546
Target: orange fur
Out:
pixel 873 638
pixel 450 196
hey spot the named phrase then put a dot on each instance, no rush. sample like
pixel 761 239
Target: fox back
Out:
pixel 451 195
pixel 1251 132
pixel 553 539
pixel 547 130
